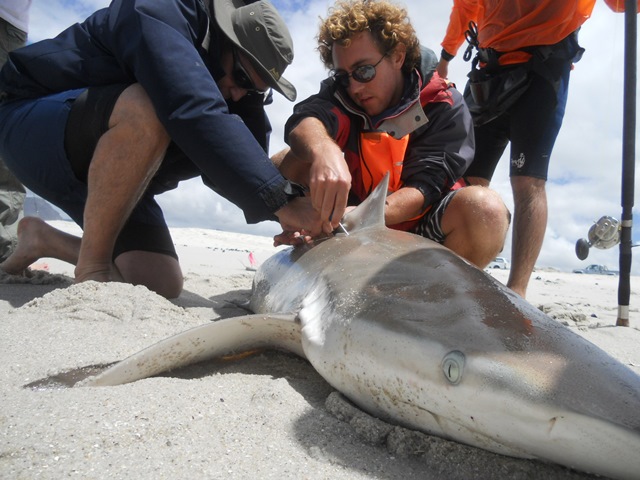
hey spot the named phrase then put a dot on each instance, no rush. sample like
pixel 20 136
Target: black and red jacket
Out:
pixel 426 142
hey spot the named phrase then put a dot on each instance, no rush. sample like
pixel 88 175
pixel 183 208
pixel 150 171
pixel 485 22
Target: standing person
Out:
pixel 385 109
pixel 14 22
pixel 123 106
pixel 518 95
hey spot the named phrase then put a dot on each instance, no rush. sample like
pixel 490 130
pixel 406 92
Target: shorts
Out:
pixel 430 225
pixel 531 125
pixel 36 136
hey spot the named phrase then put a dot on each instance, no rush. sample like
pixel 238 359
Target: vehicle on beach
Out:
pixel 596 270
pixel 499 262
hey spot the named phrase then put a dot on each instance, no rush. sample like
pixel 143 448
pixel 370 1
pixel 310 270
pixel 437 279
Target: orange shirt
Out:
pixel 509 25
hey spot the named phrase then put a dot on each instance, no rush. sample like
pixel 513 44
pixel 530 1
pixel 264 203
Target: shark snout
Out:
pixel 549 406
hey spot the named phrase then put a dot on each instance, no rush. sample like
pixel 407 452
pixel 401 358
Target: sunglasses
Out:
pixel 361 74
pixel 241 78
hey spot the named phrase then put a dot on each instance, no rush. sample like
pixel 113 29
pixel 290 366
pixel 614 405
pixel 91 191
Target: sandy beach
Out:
pixel 269 415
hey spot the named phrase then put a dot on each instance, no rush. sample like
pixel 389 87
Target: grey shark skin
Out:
pixel 414 335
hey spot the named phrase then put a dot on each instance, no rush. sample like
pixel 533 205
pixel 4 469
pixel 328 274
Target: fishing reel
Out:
pixel 603 234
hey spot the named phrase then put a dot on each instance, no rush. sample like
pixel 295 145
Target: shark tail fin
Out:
pixel 369 213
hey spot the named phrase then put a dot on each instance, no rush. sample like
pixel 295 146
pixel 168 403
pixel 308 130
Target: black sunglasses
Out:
pixel 362 74
pixel 241 77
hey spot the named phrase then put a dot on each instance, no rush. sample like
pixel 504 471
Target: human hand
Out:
pixel 303 238
pixel 328 179
pixel 299 216
pixel 329 185
pixel 292 238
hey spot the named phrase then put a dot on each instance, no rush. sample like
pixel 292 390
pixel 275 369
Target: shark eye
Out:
pixel 453 366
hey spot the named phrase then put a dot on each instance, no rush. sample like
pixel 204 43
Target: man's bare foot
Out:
pixel 32 232
pixel 38 239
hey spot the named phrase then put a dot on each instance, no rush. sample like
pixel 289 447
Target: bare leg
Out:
pixel 37 239
pixel 475 224
pixel 156 271
pixel 529 225
pixel 125 160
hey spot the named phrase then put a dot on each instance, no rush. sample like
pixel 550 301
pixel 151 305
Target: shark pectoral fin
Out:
pixel 215 339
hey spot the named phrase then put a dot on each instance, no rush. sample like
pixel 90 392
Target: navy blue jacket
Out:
pixel 159 45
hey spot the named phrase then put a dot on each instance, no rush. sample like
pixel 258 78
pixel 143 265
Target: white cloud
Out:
pixel 195 205
pixel 585 171
pixel 47 18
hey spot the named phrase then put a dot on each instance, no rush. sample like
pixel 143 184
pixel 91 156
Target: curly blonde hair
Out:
pixel 388 23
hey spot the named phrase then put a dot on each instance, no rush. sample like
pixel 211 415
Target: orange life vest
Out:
pixel 381 153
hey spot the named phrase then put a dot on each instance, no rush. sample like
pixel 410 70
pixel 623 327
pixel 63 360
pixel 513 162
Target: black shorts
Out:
pixel 430 225
pixel 48 143
pixel 531 125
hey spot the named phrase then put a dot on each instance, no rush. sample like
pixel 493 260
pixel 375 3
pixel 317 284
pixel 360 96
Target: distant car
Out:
pixel 596 270
pixel 499 262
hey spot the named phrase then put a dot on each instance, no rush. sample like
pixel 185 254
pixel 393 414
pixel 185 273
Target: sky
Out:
pixel 586 165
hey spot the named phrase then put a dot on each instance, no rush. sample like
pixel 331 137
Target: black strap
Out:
pixel 566 49
pixel 472 38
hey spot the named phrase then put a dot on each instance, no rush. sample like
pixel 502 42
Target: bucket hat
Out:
pixel 260 33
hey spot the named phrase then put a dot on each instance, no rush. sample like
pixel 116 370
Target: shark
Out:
pixel 415 335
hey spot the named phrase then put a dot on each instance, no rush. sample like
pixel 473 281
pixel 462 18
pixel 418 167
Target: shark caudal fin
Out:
pixel 369 213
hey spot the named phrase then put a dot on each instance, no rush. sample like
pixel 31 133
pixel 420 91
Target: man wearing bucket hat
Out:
pixel 122 107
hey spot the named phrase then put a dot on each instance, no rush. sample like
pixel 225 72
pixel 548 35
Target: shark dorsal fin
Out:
pixel 369 213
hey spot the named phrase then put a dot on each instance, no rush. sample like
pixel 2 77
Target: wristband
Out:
pixel 293 190
pixel 446 55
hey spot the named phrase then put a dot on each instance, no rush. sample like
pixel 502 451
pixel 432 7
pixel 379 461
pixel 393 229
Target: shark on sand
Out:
pixel 413 334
